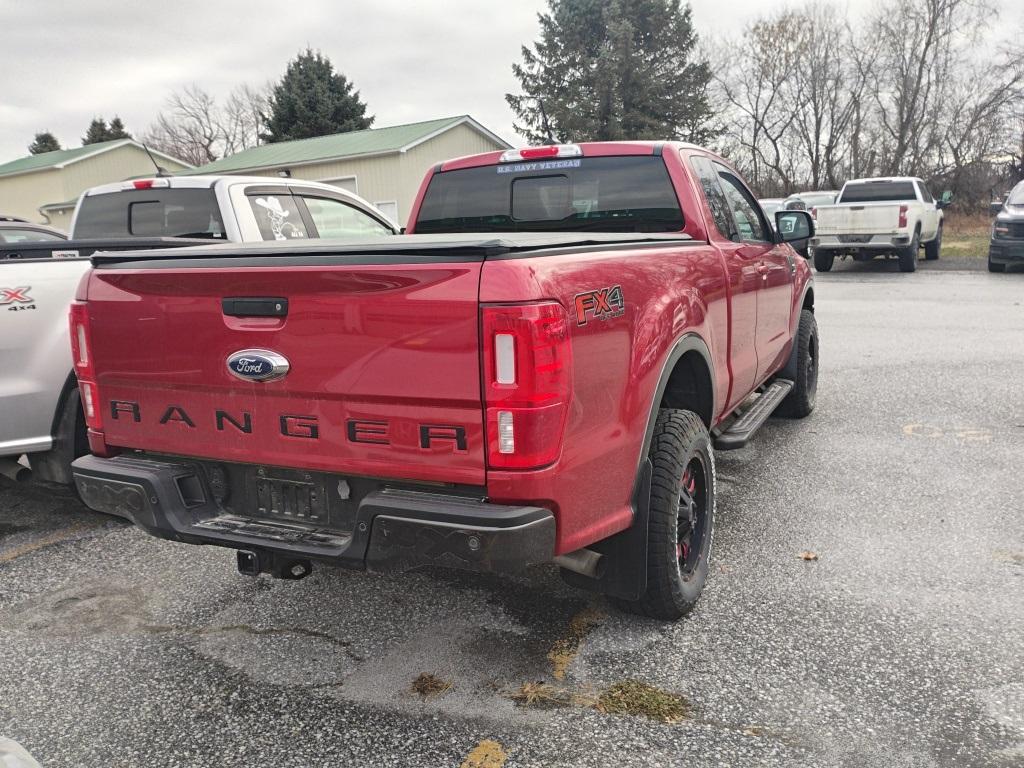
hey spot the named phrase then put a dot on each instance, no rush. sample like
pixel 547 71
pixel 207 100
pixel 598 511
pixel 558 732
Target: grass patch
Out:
pixel 974 246
pixel 966 235
pixel 632 697
pixel 547 696
pixel 428 685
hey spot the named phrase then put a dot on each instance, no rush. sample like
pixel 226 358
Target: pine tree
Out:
pixel 44 142
pixel 313 100
pixel 613 70
pixel 99 131
pixel 96 132
pixel 116 130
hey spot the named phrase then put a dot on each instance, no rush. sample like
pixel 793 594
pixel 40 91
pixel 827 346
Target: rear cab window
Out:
pixel 162 212
pixel 878 192
pixel 597 194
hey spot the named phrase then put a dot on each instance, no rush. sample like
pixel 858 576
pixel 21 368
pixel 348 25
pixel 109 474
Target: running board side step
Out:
pixel 740 431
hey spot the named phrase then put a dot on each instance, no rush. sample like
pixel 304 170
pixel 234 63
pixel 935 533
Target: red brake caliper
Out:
pixel 689 484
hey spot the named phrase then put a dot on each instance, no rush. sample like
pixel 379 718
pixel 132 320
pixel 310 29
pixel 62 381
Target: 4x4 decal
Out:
pixel 602 304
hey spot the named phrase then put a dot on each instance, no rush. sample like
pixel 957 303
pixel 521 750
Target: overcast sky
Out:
pixel 65 62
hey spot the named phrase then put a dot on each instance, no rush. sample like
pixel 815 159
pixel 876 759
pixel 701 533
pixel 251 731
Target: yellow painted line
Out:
pixel 46 541
pixel 487 754
pixel 567 647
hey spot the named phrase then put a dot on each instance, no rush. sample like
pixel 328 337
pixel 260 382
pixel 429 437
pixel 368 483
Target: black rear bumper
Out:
pixel 393 529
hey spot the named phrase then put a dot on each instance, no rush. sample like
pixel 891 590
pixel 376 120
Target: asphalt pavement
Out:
pixel 901 645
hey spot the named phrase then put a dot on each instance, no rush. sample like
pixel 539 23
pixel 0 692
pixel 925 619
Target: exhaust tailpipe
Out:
pixel 17 472
pixel 585 562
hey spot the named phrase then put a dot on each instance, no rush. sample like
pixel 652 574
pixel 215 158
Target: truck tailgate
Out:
pixel 857 219
pixel 383 377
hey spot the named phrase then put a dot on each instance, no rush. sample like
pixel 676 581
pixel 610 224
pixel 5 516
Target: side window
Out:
pixel 745 210
pixel 926 196
pixel 26 236
pixel 333 218
pixel 713 192
pixel 277 217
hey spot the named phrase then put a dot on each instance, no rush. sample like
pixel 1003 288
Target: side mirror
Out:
pixel 794 227
pixel 940 204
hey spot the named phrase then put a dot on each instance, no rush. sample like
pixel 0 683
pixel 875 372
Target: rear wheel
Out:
pixel 682 517
pixel 823 260
pixel 931 250
pixel 908 255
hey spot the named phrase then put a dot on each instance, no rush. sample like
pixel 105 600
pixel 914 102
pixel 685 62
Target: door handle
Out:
pixel 255 306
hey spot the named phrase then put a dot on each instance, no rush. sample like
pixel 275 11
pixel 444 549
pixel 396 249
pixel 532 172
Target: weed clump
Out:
pixel 427 685
pixel 631 697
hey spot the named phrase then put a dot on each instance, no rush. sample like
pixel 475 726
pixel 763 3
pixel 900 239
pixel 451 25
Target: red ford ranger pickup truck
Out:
pixel 539 371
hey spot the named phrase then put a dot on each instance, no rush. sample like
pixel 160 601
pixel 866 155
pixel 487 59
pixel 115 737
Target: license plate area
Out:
pixel 312 499
pixel 284 499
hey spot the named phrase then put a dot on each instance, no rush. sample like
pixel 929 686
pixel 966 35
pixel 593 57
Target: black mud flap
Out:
pixel 625 554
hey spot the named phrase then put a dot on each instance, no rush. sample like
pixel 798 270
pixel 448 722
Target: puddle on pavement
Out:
pixel 89 609
pixel 280 657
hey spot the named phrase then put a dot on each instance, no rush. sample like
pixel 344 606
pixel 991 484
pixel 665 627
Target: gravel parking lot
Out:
pixel 900 645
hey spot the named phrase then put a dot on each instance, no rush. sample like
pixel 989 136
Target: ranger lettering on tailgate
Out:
pixel 367 431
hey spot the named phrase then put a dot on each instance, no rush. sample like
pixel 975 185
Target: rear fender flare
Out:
pixel 625 553
pixel 689 342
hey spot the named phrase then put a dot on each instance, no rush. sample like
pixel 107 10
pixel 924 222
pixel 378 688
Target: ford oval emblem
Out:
pixel 257 365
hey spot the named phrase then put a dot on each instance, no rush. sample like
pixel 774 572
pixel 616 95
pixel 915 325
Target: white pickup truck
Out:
pixel 892 216
pixel 41 423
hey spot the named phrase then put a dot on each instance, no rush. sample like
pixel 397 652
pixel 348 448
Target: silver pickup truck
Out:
pixel 41 424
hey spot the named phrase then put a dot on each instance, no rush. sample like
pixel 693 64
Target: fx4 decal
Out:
pixel 602 304
pixel 11 295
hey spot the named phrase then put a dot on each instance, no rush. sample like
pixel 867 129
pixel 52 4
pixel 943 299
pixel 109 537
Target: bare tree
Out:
pixel 243 117
pixel 198 130
pixel 981 104
pixel 757 89
pixel 916 44
pixel 831 84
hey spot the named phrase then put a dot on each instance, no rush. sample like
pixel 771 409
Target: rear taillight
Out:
pixel 903 215
pixel 527 383
pixel 814 213
pixel 81 351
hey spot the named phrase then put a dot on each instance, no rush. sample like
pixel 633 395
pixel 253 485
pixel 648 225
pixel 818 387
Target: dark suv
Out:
pixel 1007 243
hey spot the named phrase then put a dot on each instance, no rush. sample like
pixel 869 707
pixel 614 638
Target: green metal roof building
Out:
pixel 383 165
pixel 45 187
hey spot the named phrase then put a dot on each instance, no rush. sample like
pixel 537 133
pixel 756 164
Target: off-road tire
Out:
pixel 823 260
pixel 802 370
pixel 908 255
pixel 680 439
pixel 993 267
pixel 932 249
